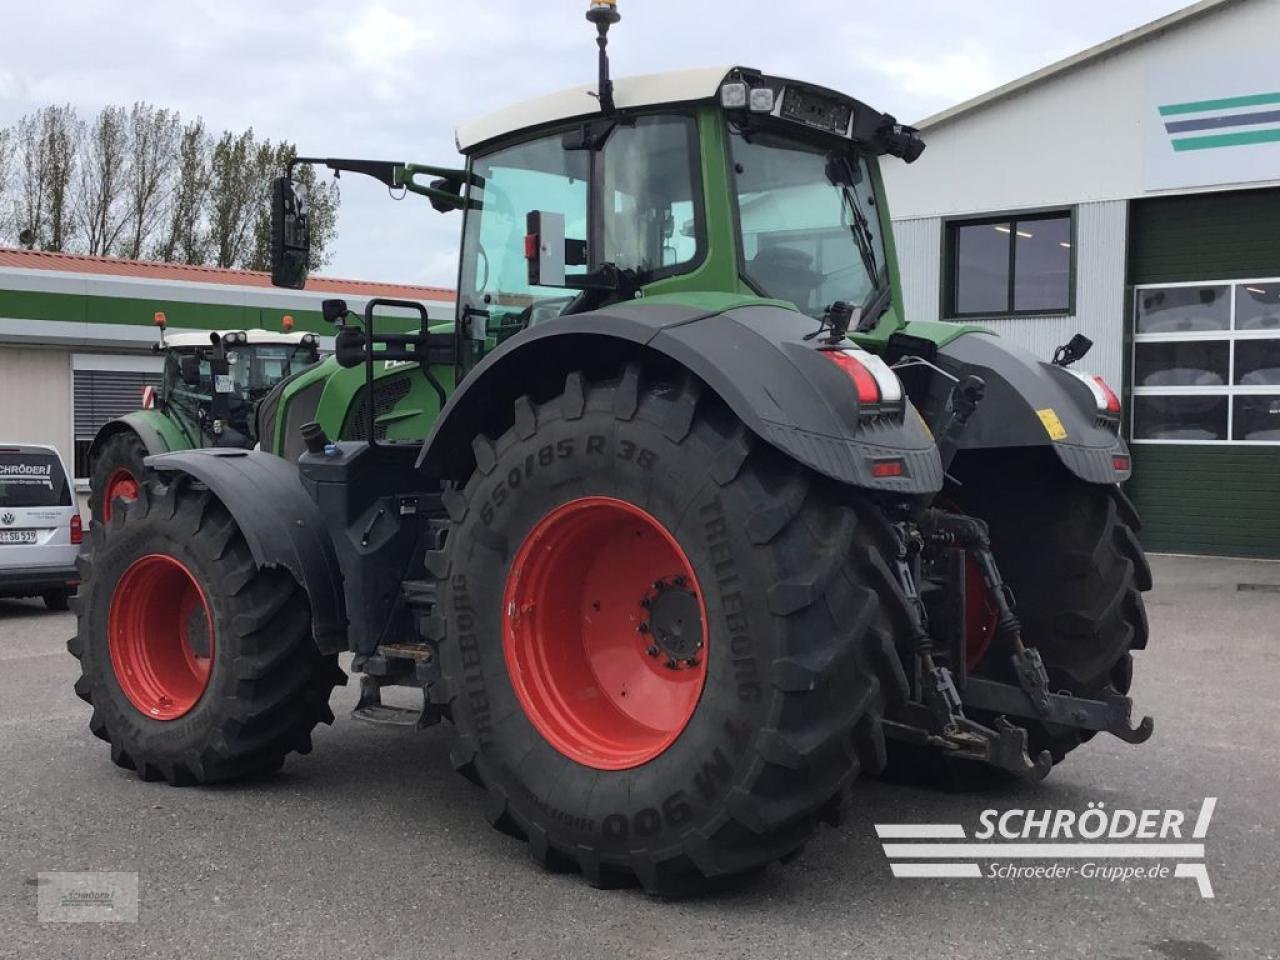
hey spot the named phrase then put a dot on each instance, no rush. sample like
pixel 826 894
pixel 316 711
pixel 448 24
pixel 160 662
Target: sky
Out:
pixel 388 79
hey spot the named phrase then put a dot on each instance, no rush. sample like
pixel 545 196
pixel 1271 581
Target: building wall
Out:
pixel 1099 280
pixel 35 399
pixel 1078 136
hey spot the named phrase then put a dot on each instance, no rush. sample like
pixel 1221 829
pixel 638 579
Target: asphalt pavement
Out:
pixel 372 847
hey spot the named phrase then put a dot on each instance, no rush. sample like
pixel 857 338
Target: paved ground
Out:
pixel 371 847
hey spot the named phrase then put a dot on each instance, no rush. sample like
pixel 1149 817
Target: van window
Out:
pixel 32 479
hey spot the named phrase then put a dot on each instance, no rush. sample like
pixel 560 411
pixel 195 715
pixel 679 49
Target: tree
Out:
pixel 153 155
pixel 137 182
pixel 99 205
pixel 231 196
pixel 185 238
pixel 8 155
pixel 60 133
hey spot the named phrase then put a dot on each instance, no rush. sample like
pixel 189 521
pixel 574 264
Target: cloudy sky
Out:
pixel 388 79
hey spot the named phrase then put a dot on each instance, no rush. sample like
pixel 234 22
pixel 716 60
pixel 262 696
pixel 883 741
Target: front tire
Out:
pixel 118 473
pixel 56 599
pixel 766 723
pixel 199 665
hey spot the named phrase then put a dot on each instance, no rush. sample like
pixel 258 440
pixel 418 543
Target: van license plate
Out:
pixel 17 536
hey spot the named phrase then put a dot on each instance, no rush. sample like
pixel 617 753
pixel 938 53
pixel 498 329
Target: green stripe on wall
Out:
pixel 1227 140
pixel 82 308
pixel 1196 106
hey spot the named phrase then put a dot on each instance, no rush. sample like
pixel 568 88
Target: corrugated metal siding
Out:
pixel 919 245
pixel 1215 499
pixel 1100 278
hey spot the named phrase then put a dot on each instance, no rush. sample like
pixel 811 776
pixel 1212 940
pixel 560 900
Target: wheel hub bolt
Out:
pixel 652 651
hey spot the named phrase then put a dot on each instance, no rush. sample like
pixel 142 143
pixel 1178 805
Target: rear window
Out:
pixel 32 480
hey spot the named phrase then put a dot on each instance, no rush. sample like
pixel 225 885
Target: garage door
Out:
pixel 1204 372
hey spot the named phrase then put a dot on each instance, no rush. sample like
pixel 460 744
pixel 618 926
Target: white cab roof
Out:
pixel 180 340
pixel 674 86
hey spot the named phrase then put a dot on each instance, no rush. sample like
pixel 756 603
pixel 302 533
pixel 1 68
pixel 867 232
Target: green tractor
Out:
pixel 211 386
pixel 681 525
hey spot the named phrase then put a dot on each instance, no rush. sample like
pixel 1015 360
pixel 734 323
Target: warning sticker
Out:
pixel 1052 425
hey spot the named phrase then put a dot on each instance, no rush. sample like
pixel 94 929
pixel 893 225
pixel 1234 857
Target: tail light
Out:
pixel 876 383
pixel 77 529
pixel 1104 397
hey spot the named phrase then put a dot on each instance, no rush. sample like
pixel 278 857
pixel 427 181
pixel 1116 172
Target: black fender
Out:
pixel 1024 398
pixel 280 522
pixel 755 358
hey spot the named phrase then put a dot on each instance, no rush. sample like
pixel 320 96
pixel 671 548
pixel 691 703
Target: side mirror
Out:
pixel 290 234
pixel 335 311
pixel 189 370
pixel 349 347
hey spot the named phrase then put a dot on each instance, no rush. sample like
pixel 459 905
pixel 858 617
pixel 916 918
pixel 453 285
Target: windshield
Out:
pixel 810 232
pixel 257 368
pixel 642 216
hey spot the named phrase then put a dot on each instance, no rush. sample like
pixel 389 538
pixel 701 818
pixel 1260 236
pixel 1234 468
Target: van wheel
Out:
pixel 56 599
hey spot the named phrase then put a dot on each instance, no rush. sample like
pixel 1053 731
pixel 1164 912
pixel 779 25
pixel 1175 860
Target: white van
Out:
pixel 40 529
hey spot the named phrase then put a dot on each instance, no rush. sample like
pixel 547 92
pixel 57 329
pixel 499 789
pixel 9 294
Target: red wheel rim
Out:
pixel 597 586
pixel 160 635
pixel 979 614
pixel 122 483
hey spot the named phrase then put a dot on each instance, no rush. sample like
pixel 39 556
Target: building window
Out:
pixel 1206 362
pixel 103 387
pixel 1010 265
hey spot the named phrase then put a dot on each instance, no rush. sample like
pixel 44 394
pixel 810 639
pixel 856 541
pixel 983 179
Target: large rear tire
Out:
pixel 118 472
pixel 550 621
pixel 199 665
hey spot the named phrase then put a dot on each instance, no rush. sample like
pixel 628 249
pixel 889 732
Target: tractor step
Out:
pixel 371 709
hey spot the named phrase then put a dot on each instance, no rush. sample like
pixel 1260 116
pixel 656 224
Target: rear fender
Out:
pixel 1031 403
pixel 280 522
pixel 755 358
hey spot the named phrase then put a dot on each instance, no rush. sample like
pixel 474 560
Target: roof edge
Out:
pixel 1138 34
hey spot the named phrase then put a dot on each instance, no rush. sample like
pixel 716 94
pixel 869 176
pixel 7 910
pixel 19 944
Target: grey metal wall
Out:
pixel 1100 280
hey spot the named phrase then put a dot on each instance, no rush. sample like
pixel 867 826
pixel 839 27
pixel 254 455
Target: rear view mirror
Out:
pixel 189 370
pixel 290 234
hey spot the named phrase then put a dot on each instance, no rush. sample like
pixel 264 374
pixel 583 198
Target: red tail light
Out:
pixel 863 380
pixel 77 529
pixel 1113 402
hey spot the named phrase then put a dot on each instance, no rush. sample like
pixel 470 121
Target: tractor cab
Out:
pixel 723 182
pixel 194 388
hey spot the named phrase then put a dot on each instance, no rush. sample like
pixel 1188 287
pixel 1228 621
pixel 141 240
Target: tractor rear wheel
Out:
pixel 199 665
pixel 118 473
pixel 663 648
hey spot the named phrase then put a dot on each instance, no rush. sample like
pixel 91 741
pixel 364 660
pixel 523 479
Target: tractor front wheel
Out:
pixel 663 645
pixel 118 473
pixel 199 665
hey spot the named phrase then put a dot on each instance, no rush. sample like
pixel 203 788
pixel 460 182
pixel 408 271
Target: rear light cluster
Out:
pixel 1104 397
pixel 77 529
pixel 876 383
